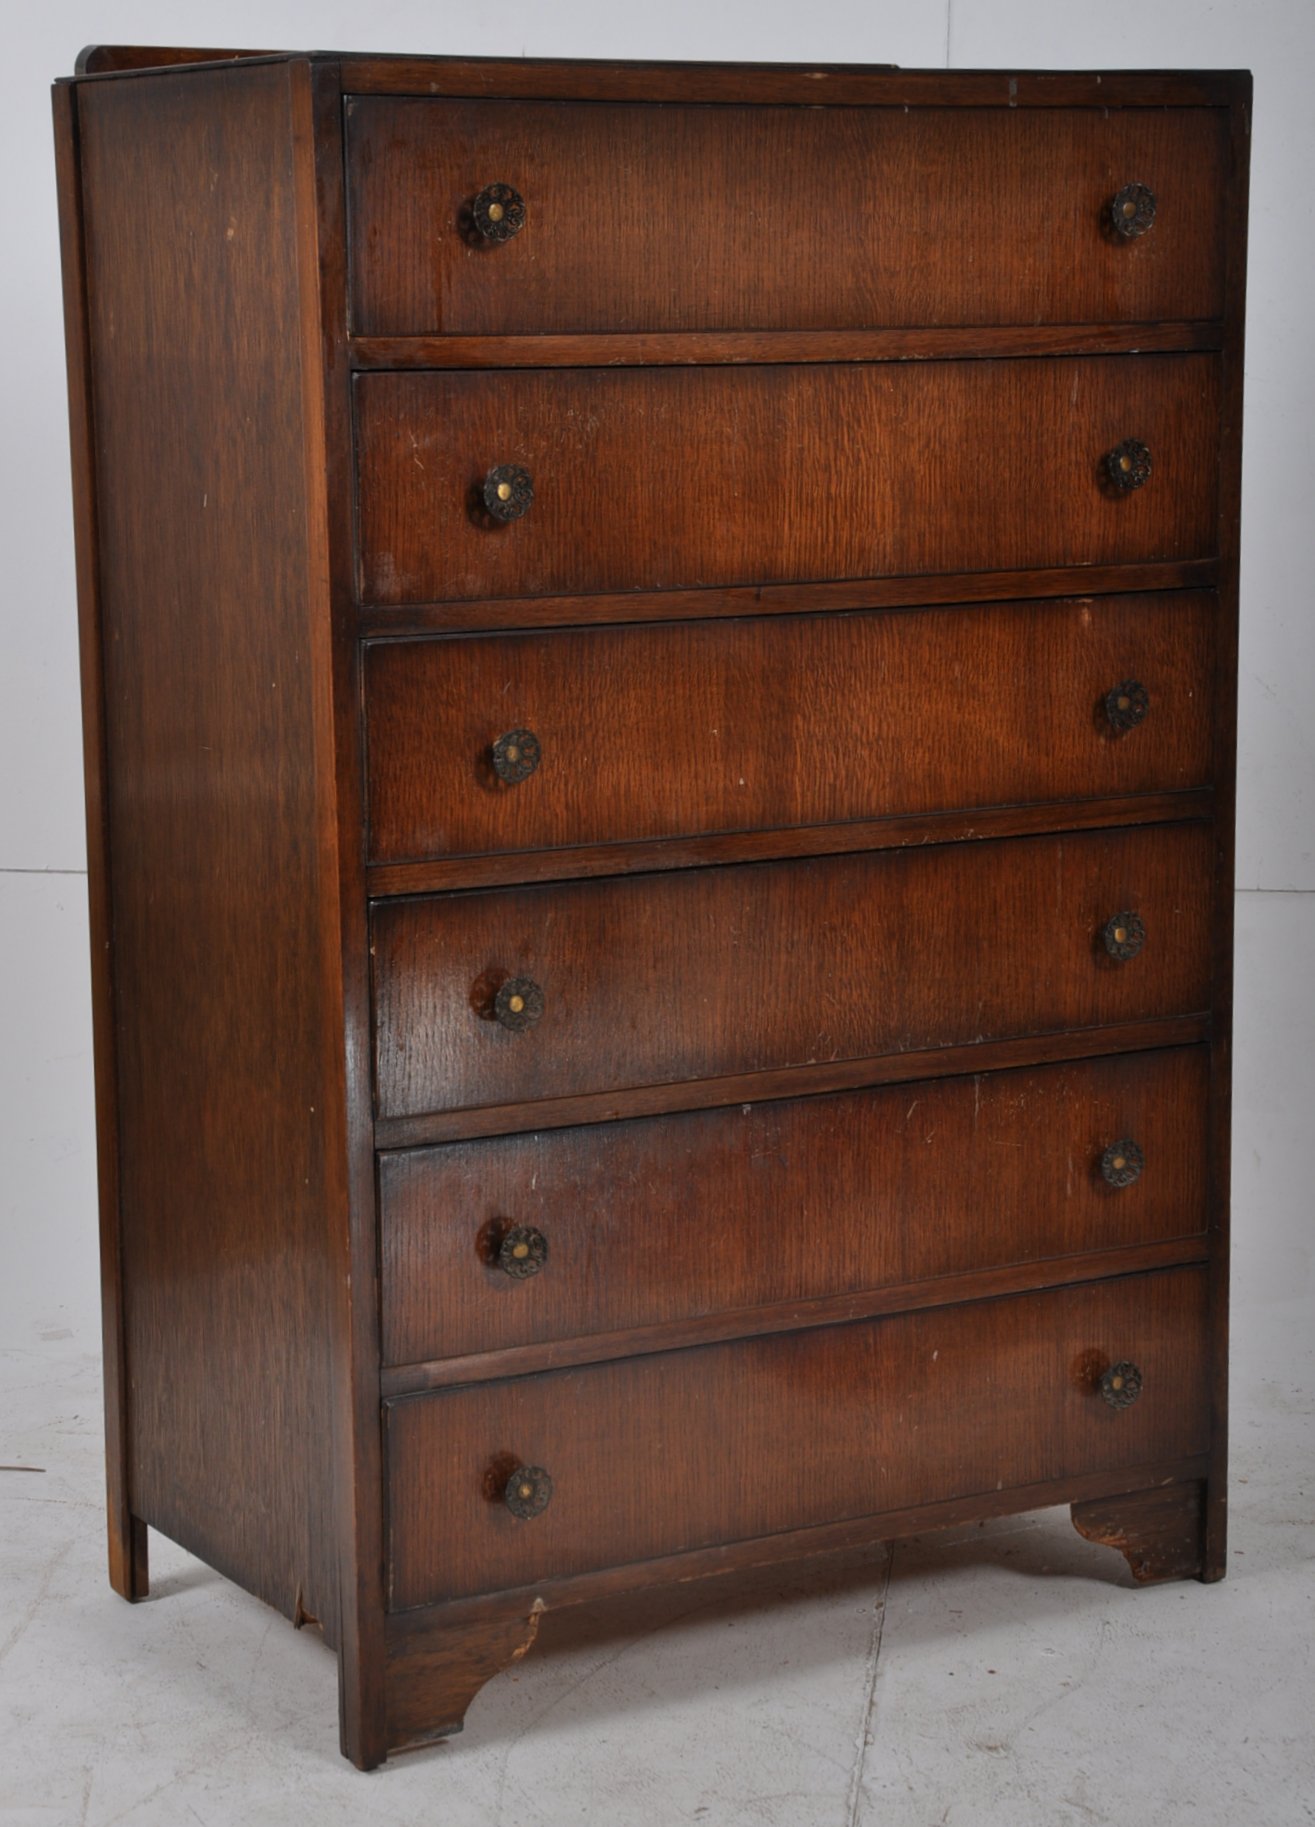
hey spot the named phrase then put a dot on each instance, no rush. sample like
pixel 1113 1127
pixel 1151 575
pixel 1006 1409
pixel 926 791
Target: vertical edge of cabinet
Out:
pixel 211 791
pixel 127 1534
pixel 357 1455
pixel 1225 780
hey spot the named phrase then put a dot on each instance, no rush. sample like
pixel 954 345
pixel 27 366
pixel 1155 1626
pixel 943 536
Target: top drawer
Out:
pixel 680 218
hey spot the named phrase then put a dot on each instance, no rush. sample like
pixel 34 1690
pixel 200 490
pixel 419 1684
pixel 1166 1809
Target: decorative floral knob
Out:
pixel 1128 465
pixel 1132 211
pixel 1122 1163
pixel 516 755
pixel 528 1492
pixel 1126 704
pixel 522 1252
pixel 1124 935
pixel 1121 1385
pixel 498 212
pixel 518 1004
pixel 508 491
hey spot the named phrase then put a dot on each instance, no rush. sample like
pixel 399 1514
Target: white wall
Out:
pixel 47 1205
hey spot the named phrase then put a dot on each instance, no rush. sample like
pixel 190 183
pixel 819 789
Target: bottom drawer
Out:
pixel 654 1455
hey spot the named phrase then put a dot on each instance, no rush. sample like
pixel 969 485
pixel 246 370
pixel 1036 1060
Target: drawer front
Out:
pixel 772 218
pixel 699 973
pixel 694 727
pixel 664 478
pixel 529 1238
pixel 653 1456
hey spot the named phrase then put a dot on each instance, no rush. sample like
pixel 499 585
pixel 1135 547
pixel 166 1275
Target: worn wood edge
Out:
pixel 931 590
pixel 430 1684
pixel 1160 1532
pixel 789 1081
pixel 901 831
pixel 406 1630
pixel 121 59
pixel 402 1380
pixel 662 348
pixel 837 85
pixel 128 1563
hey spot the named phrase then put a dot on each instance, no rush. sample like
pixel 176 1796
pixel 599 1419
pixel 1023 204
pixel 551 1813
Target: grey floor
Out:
pixel 1005 1675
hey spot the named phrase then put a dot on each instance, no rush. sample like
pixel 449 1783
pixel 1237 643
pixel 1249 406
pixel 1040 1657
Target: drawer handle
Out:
pixel 522 1252
pixel 499 212
pixel 1126 704
pixel 1122 1163
pixel 516 755
pixel 528 1492
pixel 1132 211
pixel 1121 1385
pixel 508 491
pixel 1124 935
pixel 1128 466
pixel 518 1004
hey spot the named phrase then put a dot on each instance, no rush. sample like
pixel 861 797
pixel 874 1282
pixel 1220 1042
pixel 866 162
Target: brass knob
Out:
pixel 528 1492
pixel 498 212
pixel 522 1252
pixel 1128 466
pixel 1124 935
pixel 1126 704
pixel 516 755
pixel 1122 1163
pixel 1132 211
pixel 508 491
pixel 1121 1385
pixel 518 1004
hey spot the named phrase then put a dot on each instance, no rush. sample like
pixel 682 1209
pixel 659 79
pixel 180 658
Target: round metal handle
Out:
pixel 1132 211
pixel 1128 466
pixel 518 1004
pixel 522 1252
pixel 1121 1385
pixel 1126 704
pixel 508 491
pixel 516 755
pixel 1124 935
pixel 1122 1163
pixel 528 1492
pixel 498 212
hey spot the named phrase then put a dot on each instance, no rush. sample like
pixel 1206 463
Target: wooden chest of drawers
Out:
pixel 659 650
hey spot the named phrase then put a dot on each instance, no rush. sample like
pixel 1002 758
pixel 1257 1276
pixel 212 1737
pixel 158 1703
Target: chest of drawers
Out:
pixel 659 650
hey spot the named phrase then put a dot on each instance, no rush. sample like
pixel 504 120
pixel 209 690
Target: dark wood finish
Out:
pixel 1160 1532
pixel 782 1433
pixel 218 747
pixel 676 1217
pixel 731 746
pixel 115 59
pixel 818 471
pixel 656 979
pixel 431 1680
pixel 648 349
pixel 689 218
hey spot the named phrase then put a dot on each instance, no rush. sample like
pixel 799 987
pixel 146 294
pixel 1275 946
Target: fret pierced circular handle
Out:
pixel 528 1492
pixel 1126 704
pixel 498 212
pixel 1121 1385
pixel 508 491
pixel 1122 1163
pixel 1128 466
pixel 518 1004
pixel 1124 935
pixel 1132 211
pixel 516 755
pixel 522 1252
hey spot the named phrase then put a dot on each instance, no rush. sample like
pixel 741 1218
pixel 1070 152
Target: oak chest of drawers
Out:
pixel 659 650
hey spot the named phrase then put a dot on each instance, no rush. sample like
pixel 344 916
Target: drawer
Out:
pixel 528 1238
pixel 692 727
pixel 664 478
pixel 776 218
pixel 653 1456
pixel 646 980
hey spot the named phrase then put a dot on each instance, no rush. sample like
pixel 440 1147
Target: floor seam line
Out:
pixel 855 1794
